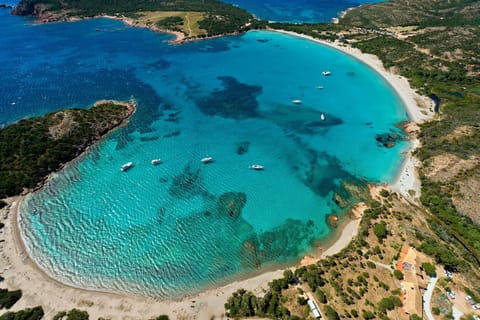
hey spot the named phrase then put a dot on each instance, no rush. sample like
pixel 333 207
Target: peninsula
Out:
pixel 187 19
pixel 33 148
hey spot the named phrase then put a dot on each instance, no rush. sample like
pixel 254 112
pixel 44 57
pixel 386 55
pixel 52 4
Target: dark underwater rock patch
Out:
pixel 231 204
pixel 302 120
pixel 389 139
pixel 235 101
pixel 187 184
pixel 242 147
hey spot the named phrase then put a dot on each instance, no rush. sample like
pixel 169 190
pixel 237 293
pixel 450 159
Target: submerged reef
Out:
pixel 282 243
pixel 235 101
pixel 231 204
pixel 389 139
pixel 187 184
pixel 242 147
pixel 304 120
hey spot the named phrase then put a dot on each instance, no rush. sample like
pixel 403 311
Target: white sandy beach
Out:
pixel 38 289
pixel 21 272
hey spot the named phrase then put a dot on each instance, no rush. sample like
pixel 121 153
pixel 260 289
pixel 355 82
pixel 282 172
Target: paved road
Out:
pixel 427 296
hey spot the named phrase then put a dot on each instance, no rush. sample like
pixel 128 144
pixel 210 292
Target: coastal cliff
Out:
pixel 33 148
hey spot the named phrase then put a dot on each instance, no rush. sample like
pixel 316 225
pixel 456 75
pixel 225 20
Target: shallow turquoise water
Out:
pixel 183 226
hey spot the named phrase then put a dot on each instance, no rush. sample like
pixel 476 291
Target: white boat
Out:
pixel 257 167
pixel 320 87
pixel 126 166
pixel 207 160
pixel 322 116
pixel 296 101
pixel 156 161
pixel 326 73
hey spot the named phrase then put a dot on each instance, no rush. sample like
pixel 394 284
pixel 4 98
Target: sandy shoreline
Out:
pixel 419 109
pixel 21 272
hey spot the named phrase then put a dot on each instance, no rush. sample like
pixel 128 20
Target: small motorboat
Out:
pixel 319 87
pixel 207 160
pixel 156 161
pixel 297 101
pixel 126 166
pixel 326 73
pixel 322 116
pixel 257 167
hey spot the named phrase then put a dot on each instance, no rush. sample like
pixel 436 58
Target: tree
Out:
pixel 76 314
pixel 380 230
pixel 429 269
pixel 330 313
pixel 9 298
pixel 26 314
pixel 398 274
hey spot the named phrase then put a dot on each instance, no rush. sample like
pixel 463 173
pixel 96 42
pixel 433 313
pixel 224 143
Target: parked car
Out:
pixel 468 298
pixel 476 307
pixel 451 294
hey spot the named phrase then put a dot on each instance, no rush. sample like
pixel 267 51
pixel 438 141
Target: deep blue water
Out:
pixel 298 11
pixel 182 226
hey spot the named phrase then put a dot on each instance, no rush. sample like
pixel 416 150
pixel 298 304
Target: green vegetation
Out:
pixel 27 314
pixel 219 18
pixel 429 269
pixel 389 303
pixel 246 304
pixel 380 230
pixel 73 314
pixel 9 298
pixel 171 23
pixel 33 148
pixel 398 274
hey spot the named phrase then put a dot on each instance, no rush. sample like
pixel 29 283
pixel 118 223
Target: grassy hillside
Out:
pixel 215 17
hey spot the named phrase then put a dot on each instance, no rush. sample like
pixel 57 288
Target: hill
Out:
pixel 33 148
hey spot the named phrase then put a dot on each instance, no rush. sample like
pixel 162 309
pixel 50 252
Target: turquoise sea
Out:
pixel 183 226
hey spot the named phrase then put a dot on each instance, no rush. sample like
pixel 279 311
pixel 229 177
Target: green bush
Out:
pixel 26 314
pixel 330 313
pixel 429 269
pixel 380 230
pixel 9 298
pixel 367 315
pixel 398 274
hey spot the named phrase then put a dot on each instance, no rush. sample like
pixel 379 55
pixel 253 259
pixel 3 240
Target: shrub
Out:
pixel 429 269
pixel 330 313
pixel 380 230
pixel 367 314
pixel 9 298
pixel 76 314
pixel 398 274
pixel 26 314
